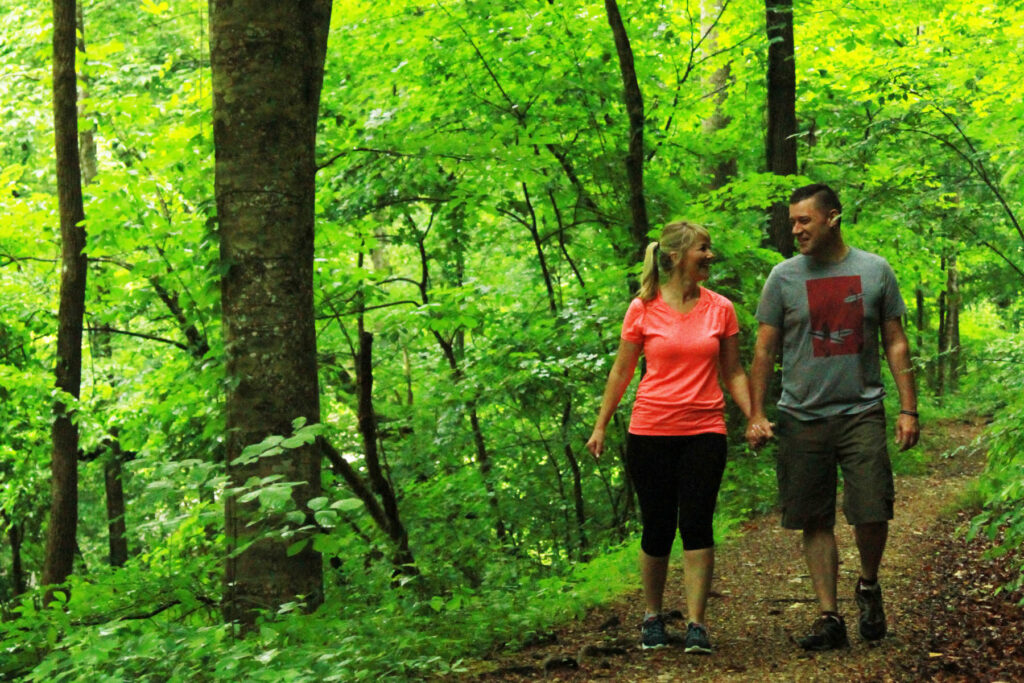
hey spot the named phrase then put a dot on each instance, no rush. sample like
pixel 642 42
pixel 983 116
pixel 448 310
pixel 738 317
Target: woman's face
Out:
pixel 696 259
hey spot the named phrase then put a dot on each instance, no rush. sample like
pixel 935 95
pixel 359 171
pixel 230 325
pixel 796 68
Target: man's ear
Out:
pixel 833 220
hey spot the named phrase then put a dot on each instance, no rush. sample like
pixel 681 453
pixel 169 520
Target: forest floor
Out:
pixel 945 621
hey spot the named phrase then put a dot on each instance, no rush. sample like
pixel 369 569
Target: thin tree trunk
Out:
pixel 15 536
pixel 781 134
pixel 86 137
pixel 267 62
pixel 378 480
pixel 635 109
pixel 112 470
pixel 943 340
pixel 919 318
pixel 721 168
pixel 577 476
pixel 63 524
pixel 114 486
pixel 952 326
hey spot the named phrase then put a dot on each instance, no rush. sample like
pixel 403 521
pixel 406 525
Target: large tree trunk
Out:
pixel 267 61
pixel 60 534
pixel 781 135
pixel 635 109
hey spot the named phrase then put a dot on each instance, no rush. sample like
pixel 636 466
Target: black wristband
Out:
pixel 911 413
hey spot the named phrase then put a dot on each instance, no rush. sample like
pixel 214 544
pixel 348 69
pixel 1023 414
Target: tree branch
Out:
pixel 140 335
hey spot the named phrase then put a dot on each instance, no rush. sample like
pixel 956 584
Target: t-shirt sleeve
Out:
pixel 633 325
pixel 730 325
pixel 769 307
pixel 892 300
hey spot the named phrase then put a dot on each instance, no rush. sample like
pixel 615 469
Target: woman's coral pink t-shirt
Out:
pixel 679 395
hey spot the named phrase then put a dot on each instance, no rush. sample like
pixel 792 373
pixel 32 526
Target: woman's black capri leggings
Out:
pixel 676 480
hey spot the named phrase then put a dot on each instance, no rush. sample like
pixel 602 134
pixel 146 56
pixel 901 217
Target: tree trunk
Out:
pixel 952 326
pixel 378 480
pixel 781 135
pixel 114 486
pixel 86 137
pixel 60 533
pixel 943 341
pixel 635 109
pixel 15 536
pixel 267 62
pixel 577 476
pixel 721 169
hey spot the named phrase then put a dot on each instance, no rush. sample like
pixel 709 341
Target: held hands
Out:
pixel 759 431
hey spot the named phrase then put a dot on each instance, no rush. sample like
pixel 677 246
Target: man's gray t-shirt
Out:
pixel 830 315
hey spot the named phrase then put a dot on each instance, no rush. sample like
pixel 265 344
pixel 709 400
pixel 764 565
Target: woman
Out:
pixel 676 447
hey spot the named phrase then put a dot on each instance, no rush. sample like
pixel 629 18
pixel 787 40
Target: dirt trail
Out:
pixel 762 599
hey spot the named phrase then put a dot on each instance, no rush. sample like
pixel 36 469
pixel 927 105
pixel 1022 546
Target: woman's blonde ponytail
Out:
pixel 649 275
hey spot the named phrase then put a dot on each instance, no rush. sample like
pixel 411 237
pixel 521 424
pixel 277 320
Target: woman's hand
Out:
pixel 595 444
pixel 759 431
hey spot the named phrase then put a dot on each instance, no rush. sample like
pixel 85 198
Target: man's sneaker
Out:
pixel 653 633
pixel 697 642
pixel 828 633
pixel 872 614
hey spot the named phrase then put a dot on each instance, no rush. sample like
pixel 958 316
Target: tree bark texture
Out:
pixel 114 487
pixel 267 62
pixel 780 139
pixel 635 109
pixel 60 533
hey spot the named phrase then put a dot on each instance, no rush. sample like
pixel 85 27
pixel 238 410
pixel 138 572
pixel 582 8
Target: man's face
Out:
pixel 813 229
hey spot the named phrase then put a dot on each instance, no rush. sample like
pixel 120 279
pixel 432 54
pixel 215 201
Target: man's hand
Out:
pixel 759 431
pixel 908 431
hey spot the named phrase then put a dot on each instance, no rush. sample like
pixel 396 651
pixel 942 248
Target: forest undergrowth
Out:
pixel 948 619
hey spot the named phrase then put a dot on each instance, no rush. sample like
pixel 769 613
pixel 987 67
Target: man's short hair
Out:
pixel 825 197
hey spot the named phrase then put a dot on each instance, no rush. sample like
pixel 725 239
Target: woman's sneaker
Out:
pixel 697 642
pixel 653 633
pixel 872 614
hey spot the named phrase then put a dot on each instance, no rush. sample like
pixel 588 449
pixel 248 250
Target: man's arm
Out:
pixel 759 430
pixel 897 352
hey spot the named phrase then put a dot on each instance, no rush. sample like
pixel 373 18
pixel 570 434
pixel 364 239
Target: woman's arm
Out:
pixel 766 348
pixel 618 380
pixel 731 371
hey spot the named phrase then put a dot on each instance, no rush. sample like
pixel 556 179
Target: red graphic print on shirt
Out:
pixel 837 315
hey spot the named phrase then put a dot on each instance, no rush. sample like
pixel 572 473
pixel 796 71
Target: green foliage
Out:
pixel 472 216
pixel 1002 486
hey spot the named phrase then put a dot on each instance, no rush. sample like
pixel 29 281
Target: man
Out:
pixel 826 307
